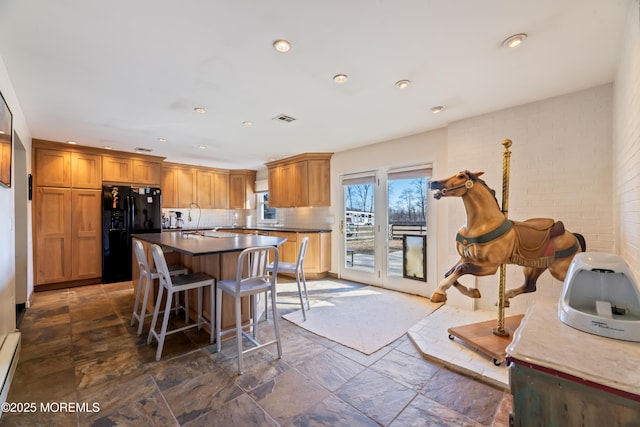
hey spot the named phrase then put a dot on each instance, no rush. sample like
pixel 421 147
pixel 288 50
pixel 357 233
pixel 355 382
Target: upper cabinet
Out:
pixel 86 170
pixel 210 188
pixel 147 172
pixel 221 190
pixel 169 187
pixel 299 181
pixel 53 168
pixel 62 168
pixel 186 187
pixel 242 189
pixel 117 169
pixel 131 170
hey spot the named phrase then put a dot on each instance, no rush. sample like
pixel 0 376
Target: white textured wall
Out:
pixel 626 148
pixel 561 168
pixel 7 219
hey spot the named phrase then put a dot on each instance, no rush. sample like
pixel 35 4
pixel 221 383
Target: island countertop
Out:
pixel 257 228
pixel 209 243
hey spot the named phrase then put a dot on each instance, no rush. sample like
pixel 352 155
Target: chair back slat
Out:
pixel 161 265
pixel 253 263
pixel 141 257
pixel 302 252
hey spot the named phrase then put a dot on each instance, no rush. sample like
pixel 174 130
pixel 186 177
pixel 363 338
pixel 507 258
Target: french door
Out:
pixel 360 229
pixel 384 225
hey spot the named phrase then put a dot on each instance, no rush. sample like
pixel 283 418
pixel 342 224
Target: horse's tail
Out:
pixel 583 243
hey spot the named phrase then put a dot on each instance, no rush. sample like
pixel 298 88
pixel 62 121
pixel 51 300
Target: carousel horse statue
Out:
pixel 488 239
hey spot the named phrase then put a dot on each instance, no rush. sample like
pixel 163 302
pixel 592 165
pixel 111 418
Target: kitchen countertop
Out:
pixel 543 340
pixel 210 243
pixel 256 228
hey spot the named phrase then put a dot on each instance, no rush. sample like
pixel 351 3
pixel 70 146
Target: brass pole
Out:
pixel 506 158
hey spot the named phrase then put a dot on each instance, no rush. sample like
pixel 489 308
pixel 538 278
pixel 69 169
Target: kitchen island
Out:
pixel 317 262
pixel 214 253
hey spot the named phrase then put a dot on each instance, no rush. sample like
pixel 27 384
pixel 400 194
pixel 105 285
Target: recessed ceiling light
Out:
pixel 1 132
pixel 71 142
pixel 162 139
pixel 401 84
pixel 200 110
pixel 106 147
pixel 247 123
pixel 437 109
pixel 282 45
pixel 514 40
pixel 340 78
pixel 202 147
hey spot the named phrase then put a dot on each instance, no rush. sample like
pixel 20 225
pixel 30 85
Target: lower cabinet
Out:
pixel 289 249
pixel 68 230
pixel 86 234
pixel 317 261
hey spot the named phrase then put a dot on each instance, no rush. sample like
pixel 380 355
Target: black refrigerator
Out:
pixel 126 211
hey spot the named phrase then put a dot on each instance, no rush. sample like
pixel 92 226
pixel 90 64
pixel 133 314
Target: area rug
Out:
pixel 364 318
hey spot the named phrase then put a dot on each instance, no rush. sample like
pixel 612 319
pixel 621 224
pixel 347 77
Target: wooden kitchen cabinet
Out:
pixel 318 257
pixel 319 182
pixel 317 261
pixel 52 225
pixel 289 249
pixel 86 234
pixel 68 230
pixel 204 190
pixel 61 168
pixel 146 172
pixel 186 187
pixel 273 181
pixel 86 170
pixel 299 181
pixel 117 169
pixel 53 168
pixel 67 207
pixel 169 187
pixel 182 185
pixel 241 189
pixel 221 190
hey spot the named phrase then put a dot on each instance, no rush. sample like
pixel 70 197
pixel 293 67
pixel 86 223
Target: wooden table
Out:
pixel 215 254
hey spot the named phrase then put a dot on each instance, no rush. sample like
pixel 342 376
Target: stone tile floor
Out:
pixel 78 346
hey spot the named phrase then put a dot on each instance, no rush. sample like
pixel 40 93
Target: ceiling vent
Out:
pixel 284 118
pixel 142 150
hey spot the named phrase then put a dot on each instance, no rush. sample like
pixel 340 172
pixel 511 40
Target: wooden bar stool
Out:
pixel 173 285
pixel 147 275
pixel 252 278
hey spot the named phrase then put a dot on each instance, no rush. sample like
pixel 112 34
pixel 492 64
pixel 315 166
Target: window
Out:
pixel 265 213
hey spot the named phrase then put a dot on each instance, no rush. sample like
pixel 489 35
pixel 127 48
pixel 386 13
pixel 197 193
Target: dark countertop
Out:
pixel 195 244
pixel 255 228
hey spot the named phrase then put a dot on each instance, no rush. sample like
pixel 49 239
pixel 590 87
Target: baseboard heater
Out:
pixel 9 354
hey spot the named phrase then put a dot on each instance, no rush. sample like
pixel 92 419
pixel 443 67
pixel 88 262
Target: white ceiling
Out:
pixel 124 73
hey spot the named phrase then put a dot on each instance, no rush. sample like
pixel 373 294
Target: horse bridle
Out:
pixel 468 184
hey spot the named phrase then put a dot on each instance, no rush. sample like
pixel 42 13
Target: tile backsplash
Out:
pixel 290 217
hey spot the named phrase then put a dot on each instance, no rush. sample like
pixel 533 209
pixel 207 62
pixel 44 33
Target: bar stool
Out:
pixel 252 278
pixel 173 285
pixel 148 274
pixel 296 268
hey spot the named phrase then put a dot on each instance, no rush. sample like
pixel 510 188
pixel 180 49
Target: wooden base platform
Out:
pixel 481 337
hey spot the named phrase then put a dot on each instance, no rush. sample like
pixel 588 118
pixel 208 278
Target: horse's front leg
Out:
pixel 451 278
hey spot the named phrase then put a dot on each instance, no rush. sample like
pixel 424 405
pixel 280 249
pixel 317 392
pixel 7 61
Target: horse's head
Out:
pixel 456 185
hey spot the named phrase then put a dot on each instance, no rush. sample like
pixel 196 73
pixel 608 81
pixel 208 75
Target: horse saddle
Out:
pixel 535 237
